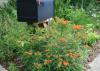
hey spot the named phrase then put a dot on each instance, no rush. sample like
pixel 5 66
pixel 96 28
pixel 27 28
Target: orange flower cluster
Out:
pixel 65 63
pixel 49 55
pixel 59 64
pixel 46 50
pixel 62 21
pixel 29 53
pixel 47 61
pixel 73 55
pixel 77 27
pixel 37 53
pixel 63 40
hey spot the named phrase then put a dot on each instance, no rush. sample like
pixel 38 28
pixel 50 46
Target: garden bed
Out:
pixel 63 46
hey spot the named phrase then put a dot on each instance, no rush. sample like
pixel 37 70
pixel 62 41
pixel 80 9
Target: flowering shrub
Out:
pixel 56 48
pixel 62 47
pixel 77 27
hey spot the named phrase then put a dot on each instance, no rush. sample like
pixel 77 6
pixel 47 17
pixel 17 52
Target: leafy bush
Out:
pixel 46 51
pixel 93 37
pixel 12 67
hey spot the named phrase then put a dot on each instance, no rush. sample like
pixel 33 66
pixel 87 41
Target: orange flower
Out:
pixel 47 61
pixel 60 64
pixel 77 27
pixel 29 53
pixel 64 22
pixel 46 50
pixel 48 56
pixel 63 40
pixel 37 53
pixel 73 55
pixel 61 21
pixel 65 63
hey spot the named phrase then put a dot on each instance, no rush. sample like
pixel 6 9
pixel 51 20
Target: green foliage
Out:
pixel 77 11
pixel 83 4
pixel 93 37
pixel 35 50
pixel 12 67
pixel 61 47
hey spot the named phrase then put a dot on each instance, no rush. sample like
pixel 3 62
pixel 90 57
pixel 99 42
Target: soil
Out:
pixel 16 61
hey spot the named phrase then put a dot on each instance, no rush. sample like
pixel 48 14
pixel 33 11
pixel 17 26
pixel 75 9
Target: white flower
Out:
pixel 94 15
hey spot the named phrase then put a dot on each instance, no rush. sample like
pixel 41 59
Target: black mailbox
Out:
pixel 32 11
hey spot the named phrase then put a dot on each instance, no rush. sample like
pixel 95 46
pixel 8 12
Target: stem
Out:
pixel 82 3
pixel 34 27
pixel 61 31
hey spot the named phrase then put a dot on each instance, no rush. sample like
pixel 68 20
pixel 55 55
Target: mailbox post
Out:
pixel 34 10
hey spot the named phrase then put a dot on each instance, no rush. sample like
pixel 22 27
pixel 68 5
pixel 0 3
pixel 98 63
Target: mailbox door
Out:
pixel 45 9
pixel 27 10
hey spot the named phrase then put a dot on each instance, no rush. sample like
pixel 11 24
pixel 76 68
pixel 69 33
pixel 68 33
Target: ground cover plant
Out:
pixel 63 46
